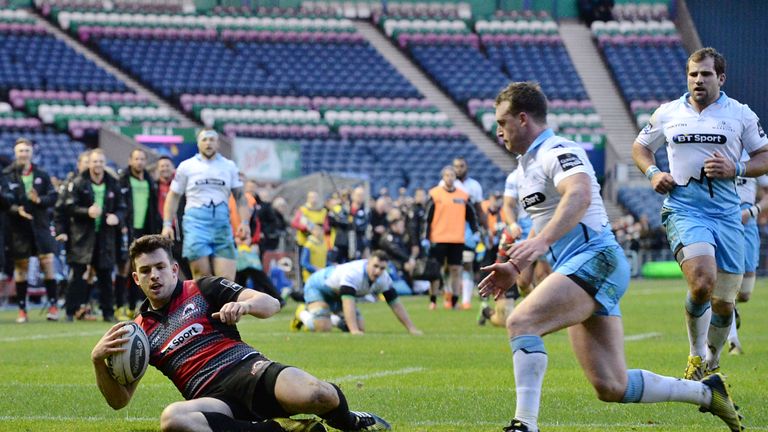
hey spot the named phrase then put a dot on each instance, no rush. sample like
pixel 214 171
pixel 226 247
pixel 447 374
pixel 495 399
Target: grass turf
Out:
pixel 457 377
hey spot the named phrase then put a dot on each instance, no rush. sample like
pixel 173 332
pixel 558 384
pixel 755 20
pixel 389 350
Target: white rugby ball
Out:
pixel 129 365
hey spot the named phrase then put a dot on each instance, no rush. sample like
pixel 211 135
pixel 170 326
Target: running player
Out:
pixel 206 180
pixel 705 132
pixel 558 188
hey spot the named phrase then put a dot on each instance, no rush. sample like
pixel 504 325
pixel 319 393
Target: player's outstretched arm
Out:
pixel 349 308
pixel 116 394
pixel 169 211
pixel 250 302
pixel 402 315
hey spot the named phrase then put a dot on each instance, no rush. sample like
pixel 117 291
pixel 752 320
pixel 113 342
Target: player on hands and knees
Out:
pixel 227 384
pixel 558 188
pixel 706 133
pixel 332 292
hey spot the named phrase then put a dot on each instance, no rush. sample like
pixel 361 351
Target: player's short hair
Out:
pixel 699 55
pixel 23 140
pixel 380 254
pixel 148 244
pixel 525 97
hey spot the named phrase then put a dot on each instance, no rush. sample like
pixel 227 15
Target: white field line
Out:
pixel 52 336
pixel 605 426
pixel 404 371
pixel 641 336
pixel 77 418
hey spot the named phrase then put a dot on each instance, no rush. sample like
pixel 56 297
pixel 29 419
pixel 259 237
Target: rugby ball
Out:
pixel 129 365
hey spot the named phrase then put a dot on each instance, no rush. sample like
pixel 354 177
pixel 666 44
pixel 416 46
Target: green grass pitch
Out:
pixel 457 377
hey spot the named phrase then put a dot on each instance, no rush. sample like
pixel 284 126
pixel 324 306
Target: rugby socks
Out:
pixel 647 387
pixel 50 291
pixel 697 317
pixel 220 422
pixel 733 333
pixel 454 301
pixel 308 319
pixel 21 294
pixel 466 287
pixel 340 417
pixel 529 358
pixel 719 328
pixel 121 286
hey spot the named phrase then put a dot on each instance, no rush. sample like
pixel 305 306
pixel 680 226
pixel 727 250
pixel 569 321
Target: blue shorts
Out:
pixel 207 232
pixel 315 290
pixel 525 224
pixel 751 245
pixel 603 272
pixel 726 234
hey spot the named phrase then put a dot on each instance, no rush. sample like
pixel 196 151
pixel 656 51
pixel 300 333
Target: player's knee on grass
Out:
pixel 175 416
pixel 320 316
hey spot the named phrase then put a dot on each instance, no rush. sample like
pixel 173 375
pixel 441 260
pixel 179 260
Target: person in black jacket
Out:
pixel 141 217
pixel 96 208
pixel 4 206
pixel 400 246
pixel 30 195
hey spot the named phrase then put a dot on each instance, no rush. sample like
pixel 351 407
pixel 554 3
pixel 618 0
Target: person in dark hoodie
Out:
pixel 96 208
pixel 142 217
pixel 30 195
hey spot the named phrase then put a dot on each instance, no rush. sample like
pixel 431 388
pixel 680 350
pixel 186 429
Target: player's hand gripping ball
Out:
pixel 129 365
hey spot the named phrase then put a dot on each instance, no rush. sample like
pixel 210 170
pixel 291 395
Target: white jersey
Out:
pixel 206 182
pixel 548 161
pixel 725 126
pixel 353 275
pixel 747 188
pixel 510 190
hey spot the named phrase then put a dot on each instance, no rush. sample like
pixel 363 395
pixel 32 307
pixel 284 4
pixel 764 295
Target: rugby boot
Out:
pixel 722 404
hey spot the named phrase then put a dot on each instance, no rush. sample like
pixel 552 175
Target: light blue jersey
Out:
pixel 588 254
pixel 701 209
pixel 726 126
pixel 325 285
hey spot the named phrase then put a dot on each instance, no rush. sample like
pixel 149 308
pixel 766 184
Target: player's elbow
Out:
pixel 266 307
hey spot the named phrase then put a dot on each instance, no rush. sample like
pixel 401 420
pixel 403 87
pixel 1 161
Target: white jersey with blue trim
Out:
pixel 726 126
pixel 353 275
pixel 747 188
pixel 548 161
pixel 510 190
pixel 206 181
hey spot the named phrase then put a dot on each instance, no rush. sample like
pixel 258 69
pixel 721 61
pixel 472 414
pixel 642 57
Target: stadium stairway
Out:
pixel 619 123
pixel 431 92
pixel 101 62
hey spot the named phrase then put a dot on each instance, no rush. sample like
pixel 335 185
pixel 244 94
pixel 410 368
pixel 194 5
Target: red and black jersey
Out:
pixel 187 345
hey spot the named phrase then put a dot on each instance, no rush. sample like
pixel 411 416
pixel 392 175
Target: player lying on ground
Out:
pixel 227 384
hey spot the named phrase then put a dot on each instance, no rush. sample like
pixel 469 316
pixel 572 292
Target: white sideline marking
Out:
pixel 76 418
pixel 606 426
pixel 51 336
pixel 642 336
pixel 404 371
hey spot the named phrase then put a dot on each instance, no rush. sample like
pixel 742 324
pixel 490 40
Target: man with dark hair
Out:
pixel 227 384
pixel 558 188
pixel 334 290
pixel 31 196
pixel 96 209
pixel 142 217
pixel 706 133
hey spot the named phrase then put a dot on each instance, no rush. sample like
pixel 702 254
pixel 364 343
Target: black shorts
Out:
pixel 248 388
pixel 447 252
pixel 25 243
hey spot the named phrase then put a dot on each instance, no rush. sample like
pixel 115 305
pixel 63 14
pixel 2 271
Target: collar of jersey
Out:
pixel 721 100
pixel 200 157
pixel 545 135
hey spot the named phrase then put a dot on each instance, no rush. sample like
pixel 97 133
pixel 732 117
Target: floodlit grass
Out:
pixel 457 377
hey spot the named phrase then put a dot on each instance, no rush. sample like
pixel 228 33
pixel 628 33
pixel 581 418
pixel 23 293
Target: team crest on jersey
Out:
pixel 699 139
pixel 647 129
pixel 568 161
pixel 532 199
pixel 723 125
pixel 760 130
pixel 189 309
